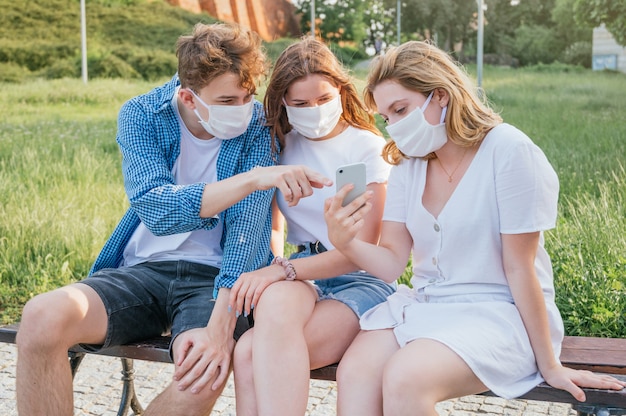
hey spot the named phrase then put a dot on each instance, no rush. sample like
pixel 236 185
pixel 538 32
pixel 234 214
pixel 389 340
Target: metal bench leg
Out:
pixel 129 395
pixel 591 410
pixel 75 359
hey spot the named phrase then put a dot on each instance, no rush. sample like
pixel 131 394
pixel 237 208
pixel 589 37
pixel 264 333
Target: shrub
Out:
pixel 578 53
pixel 536 44
pixel 13 73
pixel 35 54
pixel 65 68
pixel 155 64
pixel 110 66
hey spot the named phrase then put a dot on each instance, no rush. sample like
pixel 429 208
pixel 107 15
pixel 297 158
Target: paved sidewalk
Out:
pixel 97 390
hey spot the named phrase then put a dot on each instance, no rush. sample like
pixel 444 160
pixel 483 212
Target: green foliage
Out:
pixel 535 44
pixel 611 13
pixel 36 54
pixel 336 20
pixel 65 68
pixel 110 66
pixel 43 37
pixel 578 53
pixel 348 55
pixel 274 49
pixel 13 73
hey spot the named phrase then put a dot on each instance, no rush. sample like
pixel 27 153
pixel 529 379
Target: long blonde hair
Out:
pixel 422 67
pixel 310 56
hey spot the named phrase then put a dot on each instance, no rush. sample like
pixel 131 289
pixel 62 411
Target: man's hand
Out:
pixel 294 181
pixel 201 358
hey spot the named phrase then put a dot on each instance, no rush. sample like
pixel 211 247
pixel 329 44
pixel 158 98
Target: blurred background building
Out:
pixel 271 19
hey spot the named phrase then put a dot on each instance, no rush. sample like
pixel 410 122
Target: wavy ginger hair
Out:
pixel 422 67
pixel 306 57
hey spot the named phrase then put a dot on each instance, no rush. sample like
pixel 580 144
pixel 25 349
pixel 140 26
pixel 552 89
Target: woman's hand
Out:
pixel 344 223
pixel 248 288
pixel 572 380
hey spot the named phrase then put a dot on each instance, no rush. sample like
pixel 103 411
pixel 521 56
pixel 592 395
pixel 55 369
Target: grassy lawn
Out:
pixel 61 189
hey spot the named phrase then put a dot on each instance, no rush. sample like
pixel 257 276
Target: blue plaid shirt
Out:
pixel 149 139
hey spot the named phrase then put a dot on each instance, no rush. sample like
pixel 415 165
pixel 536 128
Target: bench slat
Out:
pixel 605 355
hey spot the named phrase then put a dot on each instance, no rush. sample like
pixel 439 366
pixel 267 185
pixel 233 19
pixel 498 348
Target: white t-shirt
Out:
pixel 509 188
pixel 197 162
pixel 305 221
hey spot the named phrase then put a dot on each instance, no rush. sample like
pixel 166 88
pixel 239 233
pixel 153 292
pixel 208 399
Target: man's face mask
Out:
pixel 225 121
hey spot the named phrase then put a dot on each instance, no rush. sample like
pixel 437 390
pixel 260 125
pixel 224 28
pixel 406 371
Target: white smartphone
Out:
pixel 354 174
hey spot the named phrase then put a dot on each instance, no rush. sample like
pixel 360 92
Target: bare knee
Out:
pixel 242 356
pixel 353 369
pixel 39 327
pixel 62 318
pixel 401 385
pixel 398 380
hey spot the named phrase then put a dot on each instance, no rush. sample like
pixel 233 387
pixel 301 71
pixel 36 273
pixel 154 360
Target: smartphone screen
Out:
pixel 354 174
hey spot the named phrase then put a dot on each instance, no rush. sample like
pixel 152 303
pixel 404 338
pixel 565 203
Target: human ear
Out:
pixel 186 98
pixel 442 97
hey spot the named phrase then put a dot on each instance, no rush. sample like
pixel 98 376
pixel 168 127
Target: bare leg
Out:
pixel 245 399
pixel 330 331
pixel 173 401
pixel 423 373
pixel 360 373
pixel 51 323
pixel 280 354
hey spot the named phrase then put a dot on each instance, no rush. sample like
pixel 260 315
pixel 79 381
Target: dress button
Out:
pixel 435 261
pixel 436 227
pixel 432 280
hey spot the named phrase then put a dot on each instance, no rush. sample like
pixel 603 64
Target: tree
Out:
pixel 447 21
pixel 611 13
pixel 336 20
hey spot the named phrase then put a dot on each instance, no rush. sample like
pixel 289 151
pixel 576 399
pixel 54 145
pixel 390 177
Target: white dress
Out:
pixel 460 296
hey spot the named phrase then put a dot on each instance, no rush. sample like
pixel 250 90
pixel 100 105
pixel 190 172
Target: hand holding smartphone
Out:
pixel 355 174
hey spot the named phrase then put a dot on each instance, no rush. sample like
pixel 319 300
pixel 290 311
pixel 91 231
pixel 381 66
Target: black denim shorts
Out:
pixel 154 298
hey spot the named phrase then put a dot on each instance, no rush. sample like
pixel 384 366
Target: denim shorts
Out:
pixel 154 298
pixel 358 290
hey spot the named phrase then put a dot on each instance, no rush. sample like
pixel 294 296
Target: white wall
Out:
pixel 607 53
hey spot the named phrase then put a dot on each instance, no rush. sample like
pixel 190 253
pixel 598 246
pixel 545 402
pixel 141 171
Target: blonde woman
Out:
pixel 470 197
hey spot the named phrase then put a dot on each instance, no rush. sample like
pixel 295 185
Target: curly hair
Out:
pixel 422 67
pixel 213 50
pixel 311 56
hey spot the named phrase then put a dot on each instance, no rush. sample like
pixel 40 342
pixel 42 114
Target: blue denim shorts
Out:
pixel 359 290
pixel 153 298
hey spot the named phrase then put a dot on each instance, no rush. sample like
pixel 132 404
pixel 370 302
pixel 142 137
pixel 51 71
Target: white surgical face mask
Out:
pixel 315 122
pixel 415 136
pixel 225 121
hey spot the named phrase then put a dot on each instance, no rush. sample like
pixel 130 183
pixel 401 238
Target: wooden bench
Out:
pixel 602 355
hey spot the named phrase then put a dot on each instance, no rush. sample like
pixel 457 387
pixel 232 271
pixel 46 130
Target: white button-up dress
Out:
pixel 460 296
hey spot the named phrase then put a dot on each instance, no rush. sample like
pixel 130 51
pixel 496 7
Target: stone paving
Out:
pixel 97 390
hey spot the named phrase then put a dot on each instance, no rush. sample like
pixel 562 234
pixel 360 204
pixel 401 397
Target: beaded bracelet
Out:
pixel 290 271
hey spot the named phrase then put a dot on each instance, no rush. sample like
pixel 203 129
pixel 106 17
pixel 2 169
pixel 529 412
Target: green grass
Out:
pixel 61 189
